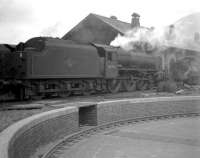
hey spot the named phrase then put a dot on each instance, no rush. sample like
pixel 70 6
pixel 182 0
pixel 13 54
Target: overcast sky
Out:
pixel 23 19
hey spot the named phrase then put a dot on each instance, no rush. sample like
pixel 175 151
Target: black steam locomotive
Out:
pixel 46 66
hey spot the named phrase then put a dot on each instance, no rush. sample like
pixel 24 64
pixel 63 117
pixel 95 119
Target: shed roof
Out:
pixel 118 25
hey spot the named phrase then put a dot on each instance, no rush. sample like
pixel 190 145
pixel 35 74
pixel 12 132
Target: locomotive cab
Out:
pixel 111 64
pixel 110 59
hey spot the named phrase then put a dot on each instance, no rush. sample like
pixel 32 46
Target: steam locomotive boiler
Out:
pixel 46 66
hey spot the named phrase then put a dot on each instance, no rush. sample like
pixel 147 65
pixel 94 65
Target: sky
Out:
pixel 21 20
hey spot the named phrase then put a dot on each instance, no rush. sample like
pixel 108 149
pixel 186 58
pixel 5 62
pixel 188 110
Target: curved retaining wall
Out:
pixel 133 108
pixel 22 139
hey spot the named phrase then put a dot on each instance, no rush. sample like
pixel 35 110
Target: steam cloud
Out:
pixel 51 31
pixel 159 38
pixel 153 40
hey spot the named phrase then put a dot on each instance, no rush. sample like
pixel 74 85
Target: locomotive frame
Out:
pixel 34 73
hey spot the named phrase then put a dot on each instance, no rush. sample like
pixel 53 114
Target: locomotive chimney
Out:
pixel 135 22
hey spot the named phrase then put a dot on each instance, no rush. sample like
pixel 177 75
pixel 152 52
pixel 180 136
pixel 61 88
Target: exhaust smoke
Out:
pixel 156 40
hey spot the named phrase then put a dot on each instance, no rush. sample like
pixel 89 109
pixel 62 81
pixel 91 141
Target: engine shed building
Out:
pixel 99 29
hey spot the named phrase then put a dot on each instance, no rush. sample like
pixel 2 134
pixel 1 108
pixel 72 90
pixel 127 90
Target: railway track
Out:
pixel 85 133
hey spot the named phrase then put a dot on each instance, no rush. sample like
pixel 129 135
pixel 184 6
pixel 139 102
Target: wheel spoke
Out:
pixel 130 84
pixel 86 89
pixel 113 85
pixel 141 85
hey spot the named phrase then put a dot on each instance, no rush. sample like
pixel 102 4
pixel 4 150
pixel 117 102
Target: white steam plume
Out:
pixel 155 38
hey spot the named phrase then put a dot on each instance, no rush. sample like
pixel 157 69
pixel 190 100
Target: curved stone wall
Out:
pixel 143 107
pixel 22 139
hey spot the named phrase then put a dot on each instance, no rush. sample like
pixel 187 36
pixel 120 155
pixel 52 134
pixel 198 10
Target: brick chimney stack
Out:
pixel 135 22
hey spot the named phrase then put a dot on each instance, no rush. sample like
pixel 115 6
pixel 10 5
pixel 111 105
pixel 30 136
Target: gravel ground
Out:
pixel 8 117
